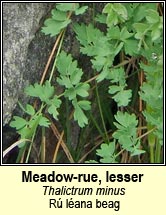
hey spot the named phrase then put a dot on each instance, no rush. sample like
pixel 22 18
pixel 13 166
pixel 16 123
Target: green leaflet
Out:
pixel 53 27
pixel 84 104
pixel 18 122
pixel 152 16
pixel 70 77
pixel 53 105
pixel 80 116
pixel 107 152
pixel 82 89
pixel 30 110
pixel 44 122
pixel 81 10
pixel 67 6
pixel 126 120
pixel 78 112
pixel 96 45
pixel 123 97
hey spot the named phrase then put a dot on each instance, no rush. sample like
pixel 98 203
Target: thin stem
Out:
pixel 151 154
pixel 68 125
pixel 119 153
pixel 43 146
pixel 158 152
pixel 30 148
pixel 101 114
pixel 50 57
pixel 97 126
pixel 17 143
pixel 59 48
pixel 145 134
pixel 57 147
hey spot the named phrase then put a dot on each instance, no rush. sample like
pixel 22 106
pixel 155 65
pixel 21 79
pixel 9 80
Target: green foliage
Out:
pixel 46 94
pixel 127 132
pixel 18 123
pixel 152 94
pixel 117 13
pixel 95 44
pixel 107 153
pixel 122 96
pixel 60 18
pixel 132 37
pixel 27 128
pixel 78 112
pixel 70 77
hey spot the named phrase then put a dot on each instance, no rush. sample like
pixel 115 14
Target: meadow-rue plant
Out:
pixel 129 48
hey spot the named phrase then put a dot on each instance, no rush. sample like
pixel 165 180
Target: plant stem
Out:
pixel 97 126
pixel 151 154
pixel 21 153
pixel 43 146
pixel 58 51
pixel 158 152
pixel 101 114
pixel 68 125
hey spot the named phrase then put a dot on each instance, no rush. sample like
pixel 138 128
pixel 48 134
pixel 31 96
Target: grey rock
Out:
pixel 20 23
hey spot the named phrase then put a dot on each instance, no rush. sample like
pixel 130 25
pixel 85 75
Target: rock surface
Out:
pixel 20 23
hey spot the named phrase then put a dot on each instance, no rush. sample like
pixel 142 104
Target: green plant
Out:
pixel 129 49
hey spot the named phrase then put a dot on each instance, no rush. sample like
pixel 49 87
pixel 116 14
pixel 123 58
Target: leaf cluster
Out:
pixel 70 77
pixel 121 95
pixel 27 128
pixel 60 18
pixel 96 45
pixel 134 29
pixel 127 132
pixel 152 93
pixel 46 94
